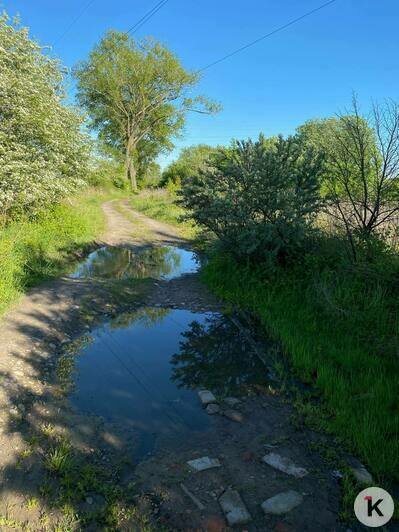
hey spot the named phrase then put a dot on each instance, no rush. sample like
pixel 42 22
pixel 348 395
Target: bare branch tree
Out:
pixel 363 170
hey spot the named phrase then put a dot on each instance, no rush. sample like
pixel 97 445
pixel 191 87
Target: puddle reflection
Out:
pixel 214 355
pixel 140 371
pixel 165 262
pixel 124 375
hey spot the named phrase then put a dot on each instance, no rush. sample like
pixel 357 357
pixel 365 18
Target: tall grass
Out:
pixel 38 249
pixel 340 328
pixel 160 204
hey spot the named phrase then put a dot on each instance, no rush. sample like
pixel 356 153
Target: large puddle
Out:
pixel 140 371
pixel 164 262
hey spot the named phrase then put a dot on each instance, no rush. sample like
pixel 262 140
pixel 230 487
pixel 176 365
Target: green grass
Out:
pixel 34 250
pixel 339 328
pixel 160 204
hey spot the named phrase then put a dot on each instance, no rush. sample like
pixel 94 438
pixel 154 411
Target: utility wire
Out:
pixel 148 389
pixel 147 16
pixel 83 10
pixel 149 392
pixel 280 28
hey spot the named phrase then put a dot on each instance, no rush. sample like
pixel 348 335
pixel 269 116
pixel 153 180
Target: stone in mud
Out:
pixel 234 508
pixel 204 463
pixel 213 408
pixel 284 464
pixel 206 397
pixel 232 401
pixel 234 415
pixel 361 474
pixel 336 474
pixel 282 503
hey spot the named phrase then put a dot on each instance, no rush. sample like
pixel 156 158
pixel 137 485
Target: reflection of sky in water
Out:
pixel 164 262
pixel 140 369
pixel 124 375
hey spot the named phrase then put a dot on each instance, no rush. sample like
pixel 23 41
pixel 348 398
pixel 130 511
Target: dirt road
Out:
pixel 62 469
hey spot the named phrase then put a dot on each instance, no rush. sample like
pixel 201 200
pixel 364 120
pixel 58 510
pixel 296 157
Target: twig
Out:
pixel 192 497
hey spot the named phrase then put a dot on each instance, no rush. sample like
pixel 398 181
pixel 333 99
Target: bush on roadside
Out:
pixel 258 197
pixel 43 153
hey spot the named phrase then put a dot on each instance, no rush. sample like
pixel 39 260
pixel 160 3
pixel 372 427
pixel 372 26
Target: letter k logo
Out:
pixel 373 507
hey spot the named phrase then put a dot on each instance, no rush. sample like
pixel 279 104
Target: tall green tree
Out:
pixel 135 91
pixel 43 154
pixel 189 162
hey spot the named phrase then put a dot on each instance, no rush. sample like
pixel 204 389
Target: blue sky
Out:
pixel 308 70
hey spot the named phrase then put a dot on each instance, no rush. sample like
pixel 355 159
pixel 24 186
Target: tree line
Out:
pixel 133 94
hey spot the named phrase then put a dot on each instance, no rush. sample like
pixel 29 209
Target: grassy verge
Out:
pixel 159 204
pixel 339 328
pixel 34 250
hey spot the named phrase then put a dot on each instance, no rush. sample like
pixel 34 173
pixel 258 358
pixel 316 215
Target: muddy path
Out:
pixel 93 437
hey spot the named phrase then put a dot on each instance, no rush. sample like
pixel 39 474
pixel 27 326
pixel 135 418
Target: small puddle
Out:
pixel 164 262
pixel 140 371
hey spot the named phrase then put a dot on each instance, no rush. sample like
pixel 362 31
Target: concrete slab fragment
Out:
pixel 234 508
pixel 206 397
pixel 282 502
pixel 204 463
pixel 284 464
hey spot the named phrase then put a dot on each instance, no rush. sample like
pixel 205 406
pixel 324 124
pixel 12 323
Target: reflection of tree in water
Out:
pixel 145 316
pixel 121 263
pixel 216 356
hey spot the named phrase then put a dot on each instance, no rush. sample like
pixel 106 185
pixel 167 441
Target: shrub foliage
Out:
pixel 43 154
pixel 258 197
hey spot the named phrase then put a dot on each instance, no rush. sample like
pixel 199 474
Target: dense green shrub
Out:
pixel 43 154
pixel 189 162
pixel 107 173
pixel 259 198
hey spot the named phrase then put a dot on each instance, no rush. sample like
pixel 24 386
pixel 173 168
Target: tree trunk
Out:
pixel 132 175
pixel 129 166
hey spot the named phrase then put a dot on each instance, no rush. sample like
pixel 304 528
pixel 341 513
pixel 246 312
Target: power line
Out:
pixel 147 16
pixel 83 10
pixel 280 28
pixel 132 374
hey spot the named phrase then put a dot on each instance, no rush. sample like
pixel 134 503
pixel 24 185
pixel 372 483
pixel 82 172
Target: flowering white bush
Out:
pixel 43 154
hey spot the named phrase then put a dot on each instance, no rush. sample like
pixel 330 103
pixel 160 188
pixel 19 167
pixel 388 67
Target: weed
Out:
pixel 350 489
pixel 11 523
pixel 65 368
pixel 59 459
pixel 32 503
